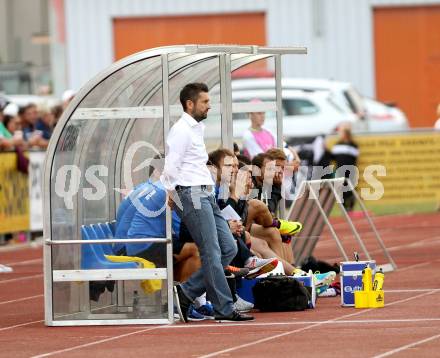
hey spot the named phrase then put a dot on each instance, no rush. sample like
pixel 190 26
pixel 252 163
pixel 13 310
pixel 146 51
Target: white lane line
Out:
pixel 21 299
pixel 220 325
pixel 398 247
pixel 296 323
pixel 411 290
pixel 213 354
pixel 414 266
pixel 20 325
pixel 402 348
pixel 263 324
pixel 21 278
pixel 93 343
pixel 29 323
pixel 27 262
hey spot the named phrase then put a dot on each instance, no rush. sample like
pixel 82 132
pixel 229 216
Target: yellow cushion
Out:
pixel 148 286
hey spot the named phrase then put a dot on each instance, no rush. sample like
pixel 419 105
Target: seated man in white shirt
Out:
pixel 190 187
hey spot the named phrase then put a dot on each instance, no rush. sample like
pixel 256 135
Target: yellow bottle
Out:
pixel 367 279
pixel 378 281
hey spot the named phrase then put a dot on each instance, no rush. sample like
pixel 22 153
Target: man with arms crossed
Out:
pixel 189 183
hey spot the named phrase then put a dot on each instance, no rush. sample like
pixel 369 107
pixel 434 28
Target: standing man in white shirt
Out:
pixel 186 174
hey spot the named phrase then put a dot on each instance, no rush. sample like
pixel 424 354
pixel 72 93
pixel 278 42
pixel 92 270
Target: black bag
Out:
pixel 313 264
pixel 280 293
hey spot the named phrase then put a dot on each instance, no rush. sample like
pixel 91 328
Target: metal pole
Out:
pixel 166 129
pixel 279 102
pixel 348 220
pixel 107 241
pixel 226 101
pixel 373 227
pixel 341 249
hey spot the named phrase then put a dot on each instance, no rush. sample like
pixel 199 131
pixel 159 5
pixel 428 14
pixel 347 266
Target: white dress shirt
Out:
pixel 185 162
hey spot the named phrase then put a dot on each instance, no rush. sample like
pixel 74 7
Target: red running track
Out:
pixel 409 325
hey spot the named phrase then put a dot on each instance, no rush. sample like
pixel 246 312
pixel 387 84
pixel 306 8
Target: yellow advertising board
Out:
pixel 411 162
pixel 14 196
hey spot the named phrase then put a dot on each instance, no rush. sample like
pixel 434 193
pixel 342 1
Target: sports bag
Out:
pixel 280 293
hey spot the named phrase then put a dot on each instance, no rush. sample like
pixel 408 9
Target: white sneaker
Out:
pixel 241 305
pixel 259 266
pixel 322 279
pixel 4 268
pixel 329 292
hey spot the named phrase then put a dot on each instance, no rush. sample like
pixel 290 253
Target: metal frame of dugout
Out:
pixel 135 99
pixel 312 207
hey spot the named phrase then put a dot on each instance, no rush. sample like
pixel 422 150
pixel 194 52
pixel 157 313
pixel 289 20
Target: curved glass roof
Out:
pixel 116 124
pixel 122 105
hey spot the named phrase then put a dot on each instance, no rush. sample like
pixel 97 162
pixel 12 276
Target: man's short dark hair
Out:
pixel 157 163
pixel 258 160
pixel 191 92
pixel 217 155
pixel 244 159
pixel 275 154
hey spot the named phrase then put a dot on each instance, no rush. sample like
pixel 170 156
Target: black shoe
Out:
pixel 182 303
pixel 235 316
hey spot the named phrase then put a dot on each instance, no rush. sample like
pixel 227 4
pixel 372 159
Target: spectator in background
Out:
pixel 11 135
pixel 345 153
pixel 34 137
pixel 4 133
pixel 57 112
pixel 257 139
pixel 13 125
pixel 45 122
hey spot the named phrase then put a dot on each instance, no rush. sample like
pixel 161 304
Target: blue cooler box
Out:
pixel 244 289
pixel 351 279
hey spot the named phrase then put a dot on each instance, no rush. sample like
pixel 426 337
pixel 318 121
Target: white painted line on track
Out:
pixel 414 266
pixel 319 323
pixel 213 354
pixel 402 348
pixel 26 262
pixel 268 324
pixel 411 290
pixel 19 325
pixel 399 247
pixel 21 299
pixel 21 278
pixel 93 343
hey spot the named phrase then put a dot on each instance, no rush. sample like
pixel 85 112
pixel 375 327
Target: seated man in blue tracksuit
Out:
pixel 125 214
pixel 150 221
pixel 142 215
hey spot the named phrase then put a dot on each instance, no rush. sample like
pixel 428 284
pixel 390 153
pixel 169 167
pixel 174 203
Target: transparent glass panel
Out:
pixel 108 300
pixel 205 70
pixel 128 87
pixel 101 155
pixel 254 131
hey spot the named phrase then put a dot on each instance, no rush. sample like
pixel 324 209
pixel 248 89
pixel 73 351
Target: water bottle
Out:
pixel 367 279
pixel 378 281
pixel 136 308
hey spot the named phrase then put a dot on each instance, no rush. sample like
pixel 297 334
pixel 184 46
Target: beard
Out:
pixel 199 116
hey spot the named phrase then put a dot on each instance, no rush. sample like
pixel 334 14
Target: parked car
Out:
pixel 305 114
pixel 344 94
pixel 383 117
